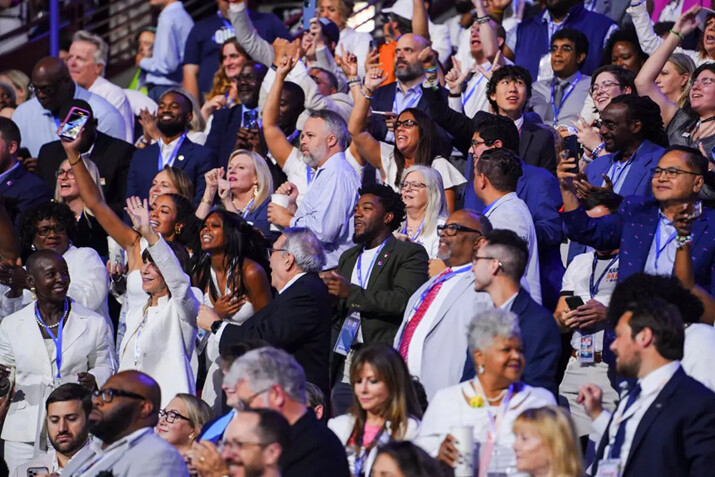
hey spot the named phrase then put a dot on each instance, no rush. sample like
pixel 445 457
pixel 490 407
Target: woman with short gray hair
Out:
pixel 490 402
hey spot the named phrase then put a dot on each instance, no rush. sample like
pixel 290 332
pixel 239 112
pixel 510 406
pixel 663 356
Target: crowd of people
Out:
pixel 481 247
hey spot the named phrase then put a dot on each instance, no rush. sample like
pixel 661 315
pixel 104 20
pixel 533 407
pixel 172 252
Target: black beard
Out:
pixel 113 424
pixel 171 129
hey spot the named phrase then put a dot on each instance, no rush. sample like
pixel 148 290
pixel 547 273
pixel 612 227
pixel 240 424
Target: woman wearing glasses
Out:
pixel 180 422
pixel 52 341
pixel 693 124
pixel 415 143
pixel 89 232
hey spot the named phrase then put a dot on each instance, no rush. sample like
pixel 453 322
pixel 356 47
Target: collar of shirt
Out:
pixel 411 96
pixel 559 81
pixel 657 378
pixel 498 202
pixel 329 163
pixel 291 281
pixel 96 444
pixel 7 173
pixel 519 123
pixel 616 157
pixel 509 303
pixel 88 154
pixel 546 16
pixel 167 149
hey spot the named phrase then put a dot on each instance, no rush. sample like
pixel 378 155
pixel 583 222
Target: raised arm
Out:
pixel 275 138
pixel 645 81
pixel 9 247
pixel 247 36
pixel 211 178
pixel 420 19
pixel 367 147
pixel 124 235
pixel 487 33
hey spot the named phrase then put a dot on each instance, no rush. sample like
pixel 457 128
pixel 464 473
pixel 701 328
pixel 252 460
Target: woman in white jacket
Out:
pixel 51 341
pixel 161 334
pixel 385 406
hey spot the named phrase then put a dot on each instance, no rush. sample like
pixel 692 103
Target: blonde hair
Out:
pixel 93 173
pixel 221 82
pixel 263 173
pixel 199 413
pixel 181 180
pixel 555 428
pixel 20 81
pixel 436 200
pixel 683 64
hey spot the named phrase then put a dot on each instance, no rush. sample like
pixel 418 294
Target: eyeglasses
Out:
pixel 48 90
pixel 271 251
pixel 407 123
pixel 171 416
pixel 566 48
pixel 606 85
pixel 108 394
pixel 412 185
pixel 234 445
pixel 476 143
pixel 703 82
pixel 476 258
pixel 244 404
pixel 452 229
pixel 671 172
pixel 69 172
pixel 610 125
pixel 45 231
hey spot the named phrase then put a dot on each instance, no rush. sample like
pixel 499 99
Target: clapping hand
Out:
pixel 149 126
pixel 584 188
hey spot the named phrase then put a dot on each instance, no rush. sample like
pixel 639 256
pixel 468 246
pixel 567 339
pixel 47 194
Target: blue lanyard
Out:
pixel 474 88
pixel 226 23
pixel 247 208
pixel 572 85
pixel 615 175
pixel 372 264
pixel 361 457
pixel 658 248
pixel 55 339
pixel 172 157
pixel 417 232
pixel 411 103
pixel 440 279
pixel 229 102
pixel 593 288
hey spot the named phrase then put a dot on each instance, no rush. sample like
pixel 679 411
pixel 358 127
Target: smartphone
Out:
pixel 373 45
pixel 309 7
pixel 572 150
pixel 33 471
pixel 73 124
pixel 574 302
pixel 250 120
pixel 382 113
pixel 697 209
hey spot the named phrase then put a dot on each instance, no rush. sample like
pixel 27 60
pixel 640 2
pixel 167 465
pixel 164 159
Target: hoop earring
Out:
pixel 178 230
pixel 34 295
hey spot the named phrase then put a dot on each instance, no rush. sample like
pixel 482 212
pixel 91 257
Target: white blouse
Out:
pixel 451 177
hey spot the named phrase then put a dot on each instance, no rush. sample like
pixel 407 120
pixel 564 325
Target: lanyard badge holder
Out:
pixel 586 351
pixel 609 468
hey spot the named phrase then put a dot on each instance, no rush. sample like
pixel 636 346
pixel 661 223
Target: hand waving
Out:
pixel 138 211
pixel 374 78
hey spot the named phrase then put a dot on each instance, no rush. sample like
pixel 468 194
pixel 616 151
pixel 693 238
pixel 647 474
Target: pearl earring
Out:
pixel 481 369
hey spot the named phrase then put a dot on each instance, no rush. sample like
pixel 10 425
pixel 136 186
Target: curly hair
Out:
pixel 58 211
pixel 623 35
pixel 391 202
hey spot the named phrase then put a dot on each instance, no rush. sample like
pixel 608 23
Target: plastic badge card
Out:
pixel 347 333
pixel 586 354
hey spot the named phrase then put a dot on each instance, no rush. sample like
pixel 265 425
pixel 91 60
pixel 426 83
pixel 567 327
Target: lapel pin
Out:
pixel 181 158
pixel 9 183
pixel 379 263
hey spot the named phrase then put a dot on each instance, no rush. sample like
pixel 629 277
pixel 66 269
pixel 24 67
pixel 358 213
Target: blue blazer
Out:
pixel 637 182
pixel 222 137
pixel 541 340
pixel 676 435
pixel 192 158
pixel 632 229
pixel 23 190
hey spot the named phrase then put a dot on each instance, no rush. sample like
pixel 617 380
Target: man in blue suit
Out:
pixel 633 134
pixel 498 266
pixel 173 149
pixel 643 229
pixel 665 425
pixel 20 189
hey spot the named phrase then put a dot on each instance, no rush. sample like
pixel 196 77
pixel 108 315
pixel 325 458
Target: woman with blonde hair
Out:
pixel 244 189
pixel 385 406
pixel 546 444
pixel 674 78
pixel 224 93
pixel 180 422
pixel 89 233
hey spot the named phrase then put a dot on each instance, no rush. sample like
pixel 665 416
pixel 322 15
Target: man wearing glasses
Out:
pixel 437 316
pixel 650 232
pixel 124 414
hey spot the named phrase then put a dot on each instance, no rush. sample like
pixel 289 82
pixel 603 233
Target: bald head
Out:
pixel 139 383
pixel 463 232
pixel 408 67
pixel 53 83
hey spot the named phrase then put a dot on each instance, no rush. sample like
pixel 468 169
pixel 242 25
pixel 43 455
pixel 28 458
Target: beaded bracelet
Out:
pixel 431 69
pixel 681 241
pixel 677 34
pixel 597 150
pixel 364 95
pixel 352 82
pixel 484 19
pixel 635 4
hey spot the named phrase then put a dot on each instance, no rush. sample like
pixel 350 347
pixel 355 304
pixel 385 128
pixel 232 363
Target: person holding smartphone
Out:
pixel 588 284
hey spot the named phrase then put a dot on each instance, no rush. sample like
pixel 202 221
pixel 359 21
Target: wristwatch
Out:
pixel 215 326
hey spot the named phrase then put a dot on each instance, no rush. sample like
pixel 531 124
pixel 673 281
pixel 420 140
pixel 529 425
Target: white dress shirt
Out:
pixel 116 97
pixel 699 353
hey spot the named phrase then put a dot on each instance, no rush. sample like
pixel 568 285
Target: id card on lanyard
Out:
pixel 658 249
pixel 56 339
pixel 172 156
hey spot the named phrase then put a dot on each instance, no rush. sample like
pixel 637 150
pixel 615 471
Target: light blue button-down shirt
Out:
pixel 666 257
pixel 38 126
pixel 172 29
pixel 618 171
pixel 402 101
pixel 328 206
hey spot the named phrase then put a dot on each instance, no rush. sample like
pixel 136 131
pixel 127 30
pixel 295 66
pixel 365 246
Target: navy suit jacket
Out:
pixel 192 158
pixel 676 435
pixel 541 340
pixel 637 182
pixel 222 137
pixel 23 190
pixel 632 230
pixel 297 321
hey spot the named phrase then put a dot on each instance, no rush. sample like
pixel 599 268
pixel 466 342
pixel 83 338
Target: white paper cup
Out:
pixel 465 446
pixel 282 200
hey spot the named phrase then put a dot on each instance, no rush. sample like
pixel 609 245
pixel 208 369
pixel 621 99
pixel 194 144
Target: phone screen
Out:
pixel 308 13
pixel 250 120
pixel 73 124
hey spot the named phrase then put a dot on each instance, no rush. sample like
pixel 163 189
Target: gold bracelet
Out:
pixel 79 158
pixel 207 202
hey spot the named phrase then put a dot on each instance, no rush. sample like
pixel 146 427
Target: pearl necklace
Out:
pixel 39 321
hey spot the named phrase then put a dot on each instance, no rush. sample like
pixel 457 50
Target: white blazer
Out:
pixel 446 337
pixel 342 426
pixel 86 347
pixel 448 408
pixel 164 346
